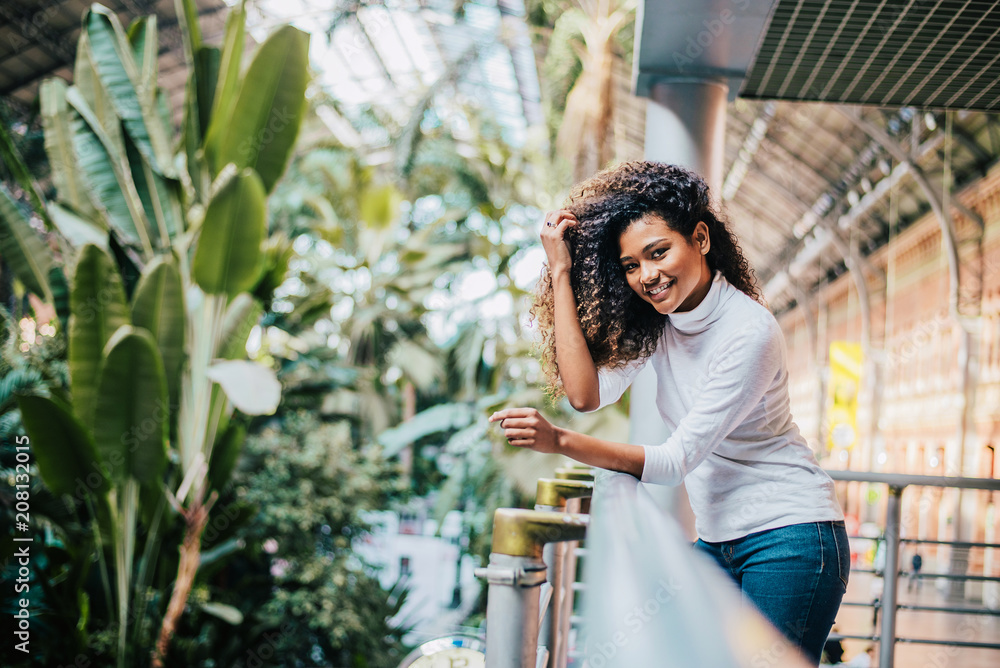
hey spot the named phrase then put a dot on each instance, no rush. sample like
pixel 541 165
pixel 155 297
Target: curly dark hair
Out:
pixel 620 326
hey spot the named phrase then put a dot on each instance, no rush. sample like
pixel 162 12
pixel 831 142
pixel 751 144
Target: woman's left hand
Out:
pixel 526 428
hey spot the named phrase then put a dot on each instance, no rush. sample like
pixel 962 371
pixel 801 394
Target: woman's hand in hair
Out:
pixel 553 239
pixel 526 428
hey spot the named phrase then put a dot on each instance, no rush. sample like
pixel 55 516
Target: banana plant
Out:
pixel 164 239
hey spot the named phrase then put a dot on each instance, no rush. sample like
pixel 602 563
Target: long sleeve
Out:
pixel 612 382
pixel 736 381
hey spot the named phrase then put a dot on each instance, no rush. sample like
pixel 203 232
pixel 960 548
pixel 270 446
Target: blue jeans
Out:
pixel 795 575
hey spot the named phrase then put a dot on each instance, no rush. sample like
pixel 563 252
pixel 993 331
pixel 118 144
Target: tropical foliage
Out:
pixel 315 481
pixel 381 301
pixel 159 242
pixel 584 42
pixel 278 564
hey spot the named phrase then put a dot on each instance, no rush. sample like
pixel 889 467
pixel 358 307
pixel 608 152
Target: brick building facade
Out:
pixel 912 380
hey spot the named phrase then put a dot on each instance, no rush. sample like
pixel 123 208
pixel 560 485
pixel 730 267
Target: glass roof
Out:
pixel 392 54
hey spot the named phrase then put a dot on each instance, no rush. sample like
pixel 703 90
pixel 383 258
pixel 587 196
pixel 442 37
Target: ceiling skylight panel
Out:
pixel 482 17
pixel 423 51
pixel 455 40
pixel 333 78
pixel 498 70
pixel 508 103
pixel 377 84
pixel 355 50
pixel 378 24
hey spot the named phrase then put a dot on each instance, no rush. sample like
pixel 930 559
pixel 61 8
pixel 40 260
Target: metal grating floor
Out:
pixel 941 54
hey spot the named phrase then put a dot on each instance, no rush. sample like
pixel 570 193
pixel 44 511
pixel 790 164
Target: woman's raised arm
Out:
pixel 576 366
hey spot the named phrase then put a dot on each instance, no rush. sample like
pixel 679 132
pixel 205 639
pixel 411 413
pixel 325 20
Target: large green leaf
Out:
pixel 277 253
pixel 241 315
pixel 143 36
pixel 70 187
pixel 63 449
pixel 114 62
pixel 160 195
pixel 87 81
pixel 434 420
pixel 77 229
pixel 261 131
pixel 97 310
pixel 231 61
pixel 12 159
pixel 187 16
pixel 224 455
pixel 20 245
pixel 191 138
pixel 104 170
pixel 206 64
pixel 227 257
pixel 251 387
pixel 60 296
pixel 158 306
pixel 130 416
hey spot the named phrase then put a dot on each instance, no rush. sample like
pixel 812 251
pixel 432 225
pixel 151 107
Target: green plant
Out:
pixel 164 241
pixel 584 42
pixel 311 481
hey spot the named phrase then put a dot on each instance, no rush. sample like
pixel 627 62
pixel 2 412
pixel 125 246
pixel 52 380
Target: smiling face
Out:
pixel 664 267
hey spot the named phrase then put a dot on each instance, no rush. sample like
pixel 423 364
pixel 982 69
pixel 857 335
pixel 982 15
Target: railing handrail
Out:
pixel 632 524
pixel 898 482
pixel 906 479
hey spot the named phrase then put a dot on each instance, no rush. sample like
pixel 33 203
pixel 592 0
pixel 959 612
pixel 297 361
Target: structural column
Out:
pixel 686 126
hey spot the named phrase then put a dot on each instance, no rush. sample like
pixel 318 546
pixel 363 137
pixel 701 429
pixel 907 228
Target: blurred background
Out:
pixel 317 223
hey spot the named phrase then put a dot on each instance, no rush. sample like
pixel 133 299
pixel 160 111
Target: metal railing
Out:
pixel 640 556
pixel 637 608
pixel 531 574
pixel 888 602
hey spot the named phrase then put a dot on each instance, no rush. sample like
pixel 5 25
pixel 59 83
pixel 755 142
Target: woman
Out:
pixel 641 271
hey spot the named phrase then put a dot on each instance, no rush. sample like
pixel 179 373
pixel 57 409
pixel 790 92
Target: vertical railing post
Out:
pixel 568 580
pixel 549 632
pixel 515 572
pixel 512 610
pixel 890 590
pixel 580 504
pixel 559 495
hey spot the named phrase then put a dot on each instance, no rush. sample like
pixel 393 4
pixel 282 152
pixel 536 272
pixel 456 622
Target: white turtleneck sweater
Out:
pixel 722 390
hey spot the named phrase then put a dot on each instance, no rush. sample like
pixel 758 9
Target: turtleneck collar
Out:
pixel 704 314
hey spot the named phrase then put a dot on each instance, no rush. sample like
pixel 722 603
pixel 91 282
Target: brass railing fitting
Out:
pixel 554 492
pixel 573 473
pixel 522 533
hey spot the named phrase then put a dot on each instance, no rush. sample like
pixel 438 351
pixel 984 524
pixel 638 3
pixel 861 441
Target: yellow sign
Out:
pixel 845 379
